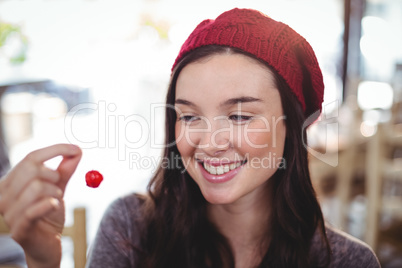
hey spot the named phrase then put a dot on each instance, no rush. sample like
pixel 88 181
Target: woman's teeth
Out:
pixel 219 170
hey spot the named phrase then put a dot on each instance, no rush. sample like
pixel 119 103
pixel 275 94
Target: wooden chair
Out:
pixel 3 227
pixel 379 168
pixel 77 232
pixel 350 161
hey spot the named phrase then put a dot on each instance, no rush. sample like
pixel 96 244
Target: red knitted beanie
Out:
pixel 271 41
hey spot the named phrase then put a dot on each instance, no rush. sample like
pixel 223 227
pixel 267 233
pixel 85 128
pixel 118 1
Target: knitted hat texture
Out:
pixel 271 41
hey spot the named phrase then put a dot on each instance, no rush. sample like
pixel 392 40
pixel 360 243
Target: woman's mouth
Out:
pixel 222 169
pixel 218 172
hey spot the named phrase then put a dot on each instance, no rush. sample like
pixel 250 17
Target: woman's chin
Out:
pixel 218 197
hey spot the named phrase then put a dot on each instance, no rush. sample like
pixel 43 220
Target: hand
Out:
pixel 31 201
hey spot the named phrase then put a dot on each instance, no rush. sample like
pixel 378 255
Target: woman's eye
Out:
pixel 188 118
pixel 240 118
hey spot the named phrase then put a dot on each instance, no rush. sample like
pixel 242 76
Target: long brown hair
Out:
pixel 177 231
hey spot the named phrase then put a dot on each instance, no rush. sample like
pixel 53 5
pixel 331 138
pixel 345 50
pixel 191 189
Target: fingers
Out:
pixel 25 173
pixel 44 154
pixel 31 169
pixel 36 192
pixel 31 198
pixel 66 169
pixel 32 165
pixel 49 175
pixel 20 227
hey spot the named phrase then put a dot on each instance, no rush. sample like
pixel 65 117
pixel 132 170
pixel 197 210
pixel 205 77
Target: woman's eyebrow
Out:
pixel 234 101
pixel 229 102
pixel 184 102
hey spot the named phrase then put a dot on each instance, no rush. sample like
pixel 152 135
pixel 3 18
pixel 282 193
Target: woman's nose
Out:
pixel 218 139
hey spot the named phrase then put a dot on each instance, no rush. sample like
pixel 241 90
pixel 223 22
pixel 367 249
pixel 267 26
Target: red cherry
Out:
pixel 93 178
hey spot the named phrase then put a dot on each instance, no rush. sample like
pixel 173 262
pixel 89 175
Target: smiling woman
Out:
pixel 242 95
pixel 240 194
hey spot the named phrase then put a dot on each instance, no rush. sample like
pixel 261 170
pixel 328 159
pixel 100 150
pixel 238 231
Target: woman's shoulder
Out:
pixel 348 251
pixel 118 239
pixel 130 203
pixel 125 209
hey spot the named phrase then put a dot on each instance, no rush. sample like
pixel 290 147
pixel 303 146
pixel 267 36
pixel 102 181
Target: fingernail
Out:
pixel 55 202
pixel 59 193
pixel 74 148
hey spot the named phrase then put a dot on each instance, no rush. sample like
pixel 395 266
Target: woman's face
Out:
pixel 230 128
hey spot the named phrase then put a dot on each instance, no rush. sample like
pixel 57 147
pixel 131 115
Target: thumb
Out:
pixel 67 167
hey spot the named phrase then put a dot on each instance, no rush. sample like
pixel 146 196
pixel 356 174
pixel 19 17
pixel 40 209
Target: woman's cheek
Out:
pixel 179 136
pixel 184 145
pixel 260 141
pixel 178 132
pixel 256 141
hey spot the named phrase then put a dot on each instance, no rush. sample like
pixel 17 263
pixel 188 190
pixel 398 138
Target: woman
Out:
pixel 240 193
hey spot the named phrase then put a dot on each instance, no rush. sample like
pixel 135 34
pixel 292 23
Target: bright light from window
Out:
pixel 376 38
pixel 368 129
pixel 377 45
pixel 374 95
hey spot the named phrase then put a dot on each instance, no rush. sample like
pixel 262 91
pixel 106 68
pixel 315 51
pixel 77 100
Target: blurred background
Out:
pixel 95 73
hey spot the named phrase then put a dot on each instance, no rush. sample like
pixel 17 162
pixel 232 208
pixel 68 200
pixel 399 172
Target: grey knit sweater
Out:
pixel 119 231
